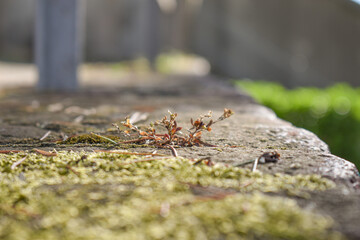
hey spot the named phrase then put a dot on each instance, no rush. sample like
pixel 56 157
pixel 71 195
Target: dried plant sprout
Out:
pixel 173 136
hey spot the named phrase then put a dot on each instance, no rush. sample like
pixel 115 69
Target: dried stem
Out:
pixel 173 136
pixel 9 151
pixel 45 135
pixel 44 153
pixel 73 170
pixel 132 153
pixel 17 163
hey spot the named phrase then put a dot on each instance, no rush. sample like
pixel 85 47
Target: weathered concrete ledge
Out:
pixel 254 129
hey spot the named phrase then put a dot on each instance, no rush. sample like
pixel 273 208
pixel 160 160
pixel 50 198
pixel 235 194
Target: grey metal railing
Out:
pixel 58 43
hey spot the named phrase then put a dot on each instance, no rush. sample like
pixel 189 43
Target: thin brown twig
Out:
pixel 44 153
pixel 9 151
pixel 73 170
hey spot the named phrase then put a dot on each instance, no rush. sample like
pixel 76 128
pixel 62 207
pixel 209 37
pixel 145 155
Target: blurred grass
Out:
pixel 332 113
pixel 171 62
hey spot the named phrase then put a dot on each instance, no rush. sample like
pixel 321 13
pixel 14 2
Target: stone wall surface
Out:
pixel 295 42
pixel 26 116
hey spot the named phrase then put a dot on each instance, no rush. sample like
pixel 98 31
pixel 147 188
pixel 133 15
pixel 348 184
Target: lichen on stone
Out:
pixel 117 196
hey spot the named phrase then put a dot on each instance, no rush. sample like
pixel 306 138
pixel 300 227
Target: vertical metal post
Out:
pixel 148 29
pixel 58 44
pixel 152 25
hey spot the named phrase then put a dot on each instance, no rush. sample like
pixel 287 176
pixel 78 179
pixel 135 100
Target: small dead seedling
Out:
pixel 173 136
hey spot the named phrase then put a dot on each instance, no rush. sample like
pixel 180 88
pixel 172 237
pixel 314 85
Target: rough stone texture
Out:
pixel 27 115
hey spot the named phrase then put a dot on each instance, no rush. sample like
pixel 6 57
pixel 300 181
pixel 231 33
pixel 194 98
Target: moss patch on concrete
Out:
pixel 89 139
pixel 114 196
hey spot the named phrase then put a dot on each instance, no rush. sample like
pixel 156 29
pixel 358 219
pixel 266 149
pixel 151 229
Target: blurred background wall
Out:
pixel 295 42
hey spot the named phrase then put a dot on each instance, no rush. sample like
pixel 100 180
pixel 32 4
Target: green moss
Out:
pixel 89 139
pixel 113 196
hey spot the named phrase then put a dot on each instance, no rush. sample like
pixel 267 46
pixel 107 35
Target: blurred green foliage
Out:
pixel 332 113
